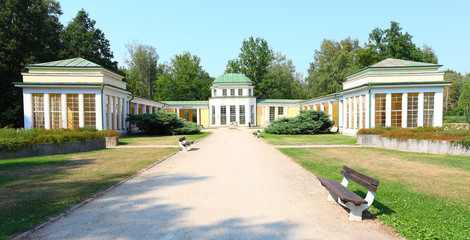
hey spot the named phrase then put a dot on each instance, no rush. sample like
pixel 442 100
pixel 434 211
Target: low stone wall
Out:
pixel 413 145
pixel 64 148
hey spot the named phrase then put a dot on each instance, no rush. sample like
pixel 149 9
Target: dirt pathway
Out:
pixel 233 186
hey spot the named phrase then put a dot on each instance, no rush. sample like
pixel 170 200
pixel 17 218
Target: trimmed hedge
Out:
pixel 308 122
pixel 162 123
pixel 14 139
pixel 459 134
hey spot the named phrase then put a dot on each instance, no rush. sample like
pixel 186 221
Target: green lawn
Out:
pixel 34 189
pixel 284 139
pixel 159 140
pixel 423 196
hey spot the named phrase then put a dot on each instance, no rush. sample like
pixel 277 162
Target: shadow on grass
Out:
pixel 383 210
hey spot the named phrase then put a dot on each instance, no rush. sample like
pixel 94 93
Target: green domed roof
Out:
pixel 232 78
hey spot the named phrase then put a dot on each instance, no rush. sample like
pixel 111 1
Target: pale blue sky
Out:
pixel 214 30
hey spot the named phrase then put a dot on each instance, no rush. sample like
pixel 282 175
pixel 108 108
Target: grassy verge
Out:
pixel 423 196
pixel 284 139
pixel 159 140
pixel 34 189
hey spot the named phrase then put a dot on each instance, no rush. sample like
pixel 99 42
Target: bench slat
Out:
pixel 343 193
pixel 360 181
pixel 362 176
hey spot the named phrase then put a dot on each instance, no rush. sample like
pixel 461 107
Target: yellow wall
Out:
pixel 260 116
pixel 204 117
pixel 292 111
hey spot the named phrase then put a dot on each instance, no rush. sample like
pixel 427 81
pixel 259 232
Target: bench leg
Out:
pixel 355 212
pixel 183 147
pixel 332 197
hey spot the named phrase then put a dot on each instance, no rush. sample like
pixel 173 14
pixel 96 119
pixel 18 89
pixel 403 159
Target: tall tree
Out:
pixel 29 33
pixel 253 62
pixel 282 81
pixel 333 62
pixel 453 92
pixel 184 79
pixel 464 101
pixel 82 39
pixel 142 64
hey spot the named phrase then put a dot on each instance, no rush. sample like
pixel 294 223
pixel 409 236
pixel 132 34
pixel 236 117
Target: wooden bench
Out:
pixel 186 146
pixel 341 194
pixel 256 134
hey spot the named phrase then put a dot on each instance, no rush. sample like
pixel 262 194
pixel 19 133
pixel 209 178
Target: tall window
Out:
pixel 252 112
pixel 194 115
pixel 118 113
pixel 113 112
pixel 428 110
pixel 132 108
pixel 38 110
pixel 249 92
pixel 223 115
pixel 232 92
pixel 213 115
pixel 186 114
pixel 123 113
pixel 72 111
pixel 108 115
pixel 280 112
pixel 412 116
pixel 90 110
pixel 380 113
pixel 363 111
pixel 233 112
pixel 397 99
pixel 358 112
pixel 346 121
pixel 242 114
pixel 240 92
pixel 325 107
pixel 272 113
pixel 215 92
pixel 56 111
pixel 224 92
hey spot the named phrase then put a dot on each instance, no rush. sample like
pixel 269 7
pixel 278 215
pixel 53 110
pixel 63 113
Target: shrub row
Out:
pixel 14 139
pixel 459 134
pixel 308 122
pixel 162 123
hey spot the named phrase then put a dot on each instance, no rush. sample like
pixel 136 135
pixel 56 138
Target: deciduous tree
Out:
pixel 142 74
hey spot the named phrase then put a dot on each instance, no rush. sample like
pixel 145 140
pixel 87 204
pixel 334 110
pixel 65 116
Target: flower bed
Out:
pixel 457 134
pixel 15 139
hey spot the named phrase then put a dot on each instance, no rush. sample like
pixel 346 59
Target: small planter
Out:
pixel 414 145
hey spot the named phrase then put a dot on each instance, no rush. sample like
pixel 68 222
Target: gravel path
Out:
pixel 232 186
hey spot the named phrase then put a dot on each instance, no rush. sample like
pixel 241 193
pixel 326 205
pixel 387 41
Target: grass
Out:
pixel 34 189
pixel 285 139
pixel 159 140
pixel 423 196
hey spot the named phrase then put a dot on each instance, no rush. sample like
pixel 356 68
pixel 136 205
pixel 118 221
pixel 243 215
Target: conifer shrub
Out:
pixel 308 122
pixel 162 123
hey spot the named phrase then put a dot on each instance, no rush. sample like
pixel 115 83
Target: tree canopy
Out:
pixel 82 39
pixel 142 73
pixel 183 79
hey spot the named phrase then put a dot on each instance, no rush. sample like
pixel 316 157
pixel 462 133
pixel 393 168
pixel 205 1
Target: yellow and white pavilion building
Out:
pixel 79 93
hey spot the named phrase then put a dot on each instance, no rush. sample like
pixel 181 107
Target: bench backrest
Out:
pixel 361 179
pixel 182 139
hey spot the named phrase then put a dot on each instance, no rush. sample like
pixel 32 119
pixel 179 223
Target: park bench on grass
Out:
pixel 256 134
pixel 185 145
pixel 341 194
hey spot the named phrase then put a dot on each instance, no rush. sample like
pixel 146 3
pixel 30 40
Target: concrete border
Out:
pixel 414 145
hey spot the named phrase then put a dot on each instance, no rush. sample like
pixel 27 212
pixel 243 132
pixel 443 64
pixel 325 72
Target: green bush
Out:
pixel 163 123
pixel 308 122
pixel 14 139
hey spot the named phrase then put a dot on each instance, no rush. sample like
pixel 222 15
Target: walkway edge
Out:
pixel 53 219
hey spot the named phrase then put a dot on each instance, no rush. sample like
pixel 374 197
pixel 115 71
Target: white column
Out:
pixel 98 112
pixel 114 106
pixel 354 112
pixel 81 110
pixel 404 110
pixel 64 110
pixel 388 110
pixel 197 116
pixel 420 109
pixel 178 112
pixel 47 111
pixel 340 113
pixel 144 108
pixel 322 108
pixel 28 110
pixel 438 110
